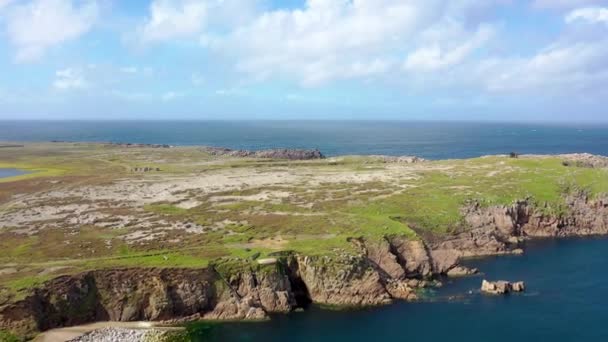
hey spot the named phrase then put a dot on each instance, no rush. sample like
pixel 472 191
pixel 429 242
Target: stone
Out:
pixel 461 271
pixel 518 286
pixel 279 153
pixel 501 287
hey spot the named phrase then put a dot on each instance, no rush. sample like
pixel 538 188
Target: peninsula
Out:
pixel 133 232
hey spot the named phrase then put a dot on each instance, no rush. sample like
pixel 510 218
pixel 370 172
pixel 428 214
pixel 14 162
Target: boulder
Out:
pixel 501 287
pixel 461 271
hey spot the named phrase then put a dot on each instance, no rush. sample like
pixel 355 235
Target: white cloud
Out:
pixel 560 68
pixel 41 24
pixel 173 19
pixel 591 14
pixel 328 40
pixel 434 57
pixel 69 78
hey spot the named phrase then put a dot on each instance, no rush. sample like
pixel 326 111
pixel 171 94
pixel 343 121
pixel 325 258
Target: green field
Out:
pixel 84 207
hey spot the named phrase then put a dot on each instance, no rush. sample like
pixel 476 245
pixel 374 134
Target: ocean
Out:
pixel 565 300
pixel 431 140
pixel 566 297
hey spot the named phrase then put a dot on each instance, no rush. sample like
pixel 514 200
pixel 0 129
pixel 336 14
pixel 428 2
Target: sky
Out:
pixel 496 60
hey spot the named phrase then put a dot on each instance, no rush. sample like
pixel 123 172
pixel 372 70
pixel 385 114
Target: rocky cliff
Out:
pixel 384 269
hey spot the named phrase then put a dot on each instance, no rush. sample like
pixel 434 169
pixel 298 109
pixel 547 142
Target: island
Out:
pixel 135 232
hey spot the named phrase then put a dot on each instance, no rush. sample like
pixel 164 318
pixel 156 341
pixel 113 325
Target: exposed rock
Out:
pixel 387 268
pixel 443 260
pixel 518 286
pixel 401 289
pixel 501 287
pixel 346 280
pixel 290 154
pixel 584 160
pixel 413 256
pixel 379 252
pixel 461 271
pixel 396 159
pixel 499 229
pixel 151 295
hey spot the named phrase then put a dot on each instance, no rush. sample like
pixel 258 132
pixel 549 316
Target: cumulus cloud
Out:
pixel 590 14
pixel 41 24
pixel 560 68
pixel 177 19
pixel 436 57
pixel 69 78
pixel 327 40
pixel 173 19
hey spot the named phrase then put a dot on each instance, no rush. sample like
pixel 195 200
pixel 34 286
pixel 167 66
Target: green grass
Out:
pixel 315 219
pixel 6 336
pixel 166 209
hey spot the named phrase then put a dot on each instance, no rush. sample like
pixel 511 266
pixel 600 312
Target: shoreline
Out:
pixel 393 259
pixel 68 333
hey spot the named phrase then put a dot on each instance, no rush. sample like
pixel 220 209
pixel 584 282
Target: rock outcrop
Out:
pixel 290 154
pixel 500 229
pixel 342 281
pixel 584 160
pixel 383 269
pixel 396 159
pixel 501 287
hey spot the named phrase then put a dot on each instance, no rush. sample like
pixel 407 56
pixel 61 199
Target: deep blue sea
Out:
pixel 567 296
pixel 431 140
pixel 566 300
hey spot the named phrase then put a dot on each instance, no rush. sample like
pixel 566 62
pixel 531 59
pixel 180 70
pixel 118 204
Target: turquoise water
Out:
pixel 566 300
pixel 433 140
pixel 10 172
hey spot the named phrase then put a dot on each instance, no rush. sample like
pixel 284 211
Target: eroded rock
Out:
pixel 501 287
pixel 290 154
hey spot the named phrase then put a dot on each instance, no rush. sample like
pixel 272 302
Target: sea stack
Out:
pixel 502 287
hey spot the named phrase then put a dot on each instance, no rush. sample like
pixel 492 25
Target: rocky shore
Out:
pixel 385 270
pixel 375 265
pixel 280 153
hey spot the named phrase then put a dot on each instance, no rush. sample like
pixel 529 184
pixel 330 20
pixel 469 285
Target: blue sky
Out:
pixel 526 60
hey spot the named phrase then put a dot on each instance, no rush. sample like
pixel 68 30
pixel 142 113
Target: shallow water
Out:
pixel 566 300
pixel 432 140
pixel 4 173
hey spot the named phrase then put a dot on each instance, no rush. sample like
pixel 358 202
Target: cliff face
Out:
pixel 384 269
pixel 504 226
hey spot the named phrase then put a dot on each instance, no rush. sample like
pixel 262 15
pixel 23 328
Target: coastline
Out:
pixel 373 272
